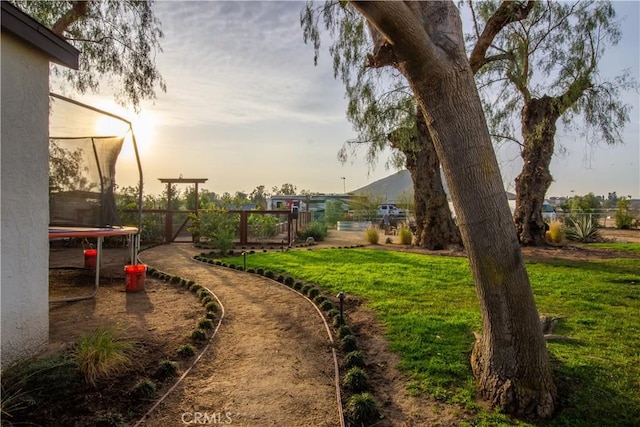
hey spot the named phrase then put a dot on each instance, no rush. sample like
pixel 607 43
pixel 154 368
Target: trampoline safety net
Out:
pixel 84 145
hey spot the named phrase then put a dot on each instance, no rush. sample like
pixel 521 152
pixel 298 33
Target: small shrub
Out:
pixel 212 306
pixel 317 229
pixel 348 343
pixel 175 280
pixel 195 288
pixel 202 292
pixel 232 265
pixel 388 240
pixel 38 381
pixel 555 234
pixel 101 355
pixel 362 408
pixel 280 278
pixel 205 324
pixel 210 315
pixel 144 389
pixel 298 285
pixel 289 281
pixel 343 331
pixel 355 380
pixel 305 289
pixel 251 270
pixel 313 292
pixel 166 369
pixel 260 271
pixel 582 229
pixel 269 274
pixel 319 299
pixel 327 306
pixel 371 235
pixel 333 312
pixel 624 216
pixel 206 300
pixel 405 235
pixel 353 359
pixel 109 419
pixel 186 350
pixel 199 335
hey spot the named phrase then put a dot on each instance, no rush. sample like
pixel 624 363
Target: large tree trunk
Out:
pixel 538 130
pixel 435 228
pixel 510 359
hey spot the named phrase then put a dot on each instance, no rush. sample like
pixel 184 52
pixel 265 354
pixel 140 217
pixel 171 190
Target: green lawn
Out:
pixel 430 309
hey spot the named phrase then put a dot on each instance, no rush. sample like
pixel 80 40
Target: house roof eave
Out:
pixel 31 31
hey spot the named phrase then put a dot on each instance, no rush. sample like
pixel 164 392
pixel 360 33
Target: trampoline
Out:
pixel 84 145
pixel 99 234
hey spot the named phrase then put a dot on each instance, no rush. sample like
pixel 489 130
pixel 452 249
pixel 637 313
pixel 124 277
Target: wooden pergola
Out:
pixel 168 224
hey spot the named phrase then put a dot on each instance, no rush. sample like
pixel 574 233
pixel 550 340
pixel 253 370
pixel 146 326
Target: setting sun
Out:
pixel 143 128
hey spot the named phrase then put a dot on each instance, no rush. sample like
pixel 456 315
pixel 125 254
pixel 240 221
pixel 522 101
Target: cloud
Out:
pixel 242 62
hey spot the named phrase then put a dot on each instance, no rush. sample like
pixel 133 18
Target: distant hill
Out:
pixel 394 185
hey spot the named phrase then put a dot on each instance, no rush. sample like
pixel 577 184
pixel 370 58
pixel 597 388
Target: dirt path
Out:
pixel 271 362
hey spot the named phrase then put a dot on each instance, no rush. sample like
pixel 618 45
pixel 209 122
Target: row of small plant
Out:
pixel 361 406
pixel 372 235
pixel 205 325
pixel 146 388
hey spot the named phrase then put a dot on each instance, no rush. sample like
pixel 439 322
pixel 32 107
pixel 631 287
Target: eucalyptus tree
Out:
pixel 424 42
pixel 548 74
pixel 119 40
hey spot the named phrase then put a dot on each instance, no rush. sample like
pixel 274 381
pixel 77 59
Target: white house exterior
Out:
pixel 27 48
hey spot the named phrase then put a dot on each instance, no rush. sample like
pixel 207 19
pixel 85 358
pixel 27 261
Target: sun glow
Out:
pixel 143 126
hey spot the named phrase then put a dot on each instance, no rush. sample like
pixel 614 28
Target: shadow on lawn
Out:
pixel 590 395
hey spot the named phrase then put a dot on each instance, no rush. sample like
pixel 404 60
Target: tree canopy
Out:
pixel 118 40
pixel 547 71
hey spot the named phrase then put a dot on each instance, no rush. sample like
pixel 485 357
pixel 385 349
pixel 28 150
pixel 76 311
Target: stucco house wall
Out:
pixel 24 289
pixel 24 183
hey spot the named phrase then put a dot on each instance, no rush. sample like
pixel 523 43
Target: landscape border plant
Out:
pixel 582 229
pixel 102 354
pixel 405 235
pixel 372 236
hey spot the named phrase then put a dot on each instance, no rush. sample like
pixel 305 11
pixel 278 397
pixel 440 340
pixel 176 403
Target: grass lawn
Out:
pixel 429 307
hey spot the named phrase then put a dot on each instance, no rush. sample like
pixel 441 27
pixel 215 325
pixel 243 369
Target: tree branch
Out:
pixel 507 13
pixel 401 20
pixel 508 138
pixel 493 58
pixel 78 10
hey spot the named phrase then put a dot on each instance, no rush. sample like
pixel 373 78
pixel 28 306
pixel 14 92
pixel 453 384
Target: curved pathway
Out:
pixel 270 363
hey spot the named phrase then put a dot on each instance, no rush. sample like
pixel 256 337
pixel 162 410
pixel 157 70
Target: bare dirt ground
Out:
pixel 269 364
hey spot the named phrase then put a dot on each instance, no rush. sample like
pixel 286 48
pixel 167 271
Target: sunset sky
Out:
pixel 245 106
